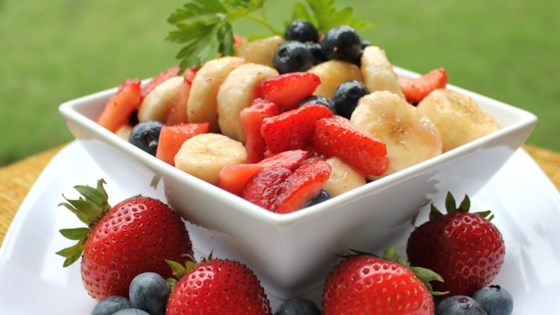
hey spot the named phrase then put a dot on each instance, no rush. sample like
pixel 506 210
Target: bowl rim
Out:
pixel 70 110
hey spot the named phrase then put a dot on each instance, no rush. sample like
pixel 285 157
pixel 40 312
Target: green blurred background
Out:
pixel 54 51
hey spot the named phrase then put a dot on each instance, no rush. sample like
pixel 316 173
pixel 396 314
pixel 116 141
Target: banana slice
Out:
pixel 332 73
pixel 238 90
pixel 343 177
pixel 378 72
pixel 457 116
pixel 202 104
pixel 124 132
pixel 204 155
pixel 156 104
pixel 410 136
pixel 260 51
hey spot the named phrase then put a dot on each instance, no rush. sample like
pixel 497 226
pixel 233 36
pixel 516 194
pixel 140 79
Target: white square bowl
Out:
pixel 292 253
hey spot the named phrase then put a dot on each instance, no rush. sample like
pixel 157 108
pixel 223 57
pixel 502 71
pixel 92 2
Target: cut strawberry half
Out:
pixel 336 136
pixel 121 105
pixel 264 188
pixel 171 138
pixel 293 129
pixel 251 121
pixel 304 184
pixel 160 78
pixel 415 89
pixel 233 178
pixel 289 89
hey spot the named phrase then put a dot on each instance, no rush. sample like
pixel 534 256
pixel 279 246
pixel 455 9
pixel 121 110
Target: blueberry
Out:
pixel 302 31
pixel 322 196
pixel 346 97
pixel 459 305
pixel 145 135
pixel 131 311
pixel 342 43
pixel 110 305
pixel 365 43
pixel 297 306
pixel 316 52
pixel 293 56
pixel 149 292
pixel 495 300
pixel 319 100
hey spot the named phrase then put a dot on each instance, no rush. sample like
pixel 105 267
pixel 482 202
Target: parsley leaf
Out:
pixel 325 16
pixel 204 27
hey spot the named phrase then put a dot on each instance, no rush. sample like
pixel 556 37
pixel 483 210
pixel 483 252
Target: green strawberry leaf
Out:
pixel 72 253
pixel 450 203
pixel 90 207
pixel 75 234
pixel 177 269
pixel 465 204
pixel 435 213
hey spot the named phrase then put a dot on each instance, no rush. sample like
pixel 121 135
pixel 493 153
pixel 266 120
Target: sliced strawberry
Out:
pixel 293 129
pixel 264 188
pixel 336 136
pixel 304 184
pixel 289 89
pixel 288 159
pixel 171 139
pixel 233 178
pixel 251 121
pixel 415 89
pixel 121 105
pixel 161 77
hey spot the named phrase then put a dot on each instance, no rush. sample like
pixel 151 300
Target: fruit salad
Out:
pixel 285 121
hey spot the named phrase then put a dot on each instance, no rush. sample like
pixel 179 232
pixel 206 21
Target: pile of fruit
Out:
pixel 285 122
pixel 129 250
pixel 290 120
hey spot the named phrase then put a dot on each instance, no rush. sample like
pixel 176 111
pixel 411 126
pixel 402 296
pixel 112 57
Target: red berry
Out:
pixel 415 89
pixel 251 121
pixel 366 284
pixel 288 90
pixel 304 184
pixel 233 178
pixel 135 236
pixel 218 286
pixel 466 249
pixel 293 129
pixel 336 136
pixel 264 188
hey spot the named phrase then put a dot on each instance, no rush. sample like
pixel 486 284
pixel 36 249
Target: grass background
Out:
pixel 53 51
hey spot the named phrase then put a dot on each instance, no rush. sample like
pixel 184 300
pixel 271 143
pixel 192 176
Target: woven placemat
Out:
pixel 16 179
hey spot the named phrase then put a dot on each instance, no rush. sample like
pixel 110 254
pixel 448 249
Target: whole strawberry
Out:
pixel 465 248
pixel 135 236
pixel 367 284
pixel 216 286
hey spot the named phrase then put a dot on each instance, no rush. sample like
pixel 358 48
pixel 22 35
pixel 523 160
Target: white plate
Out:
pixel 32 280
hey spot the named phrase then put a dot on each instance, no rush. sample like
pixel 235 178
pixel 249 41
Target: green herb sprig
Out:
pixel 204 27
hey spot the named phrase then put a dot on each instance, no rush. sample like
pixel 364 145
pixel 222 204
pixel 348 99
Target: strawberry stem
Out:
pixel 90 207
